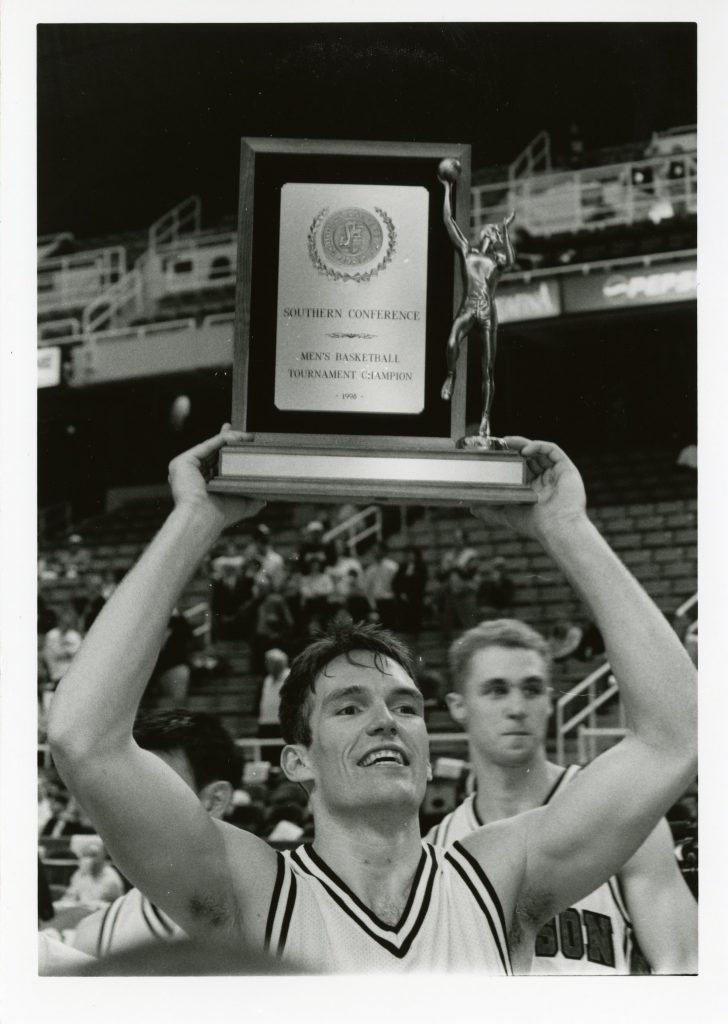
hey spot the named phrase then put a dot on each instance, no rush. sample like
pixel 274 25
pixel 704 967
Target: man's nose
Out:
pixel 382 719
pixel 516 707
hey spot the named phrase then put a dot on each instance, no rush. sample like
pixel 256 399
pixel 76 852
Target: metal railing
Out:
pixel 358 527
pixel 183 218
pixel 586 740
pixel 59 332
pixel 66 282
pixel 535 158
pixel 589 687
pixel 655 188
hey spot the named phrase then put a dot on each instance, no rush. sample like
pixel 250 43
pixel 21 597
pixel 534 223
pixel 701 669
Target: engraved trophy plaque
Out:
pixel 346 290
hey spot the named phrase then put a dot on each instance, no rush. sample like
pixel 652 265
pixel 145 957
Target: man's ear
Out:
pixel 215 797
pixel 294 762
pixel 456 707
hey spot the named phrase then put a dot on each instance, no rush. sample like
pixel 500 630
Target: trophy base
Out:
pixel 477 442
pixel 441 477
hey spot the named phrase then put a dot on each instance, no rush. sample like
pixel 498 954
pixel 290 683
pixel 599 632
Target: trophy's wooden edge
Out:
pixel 373 491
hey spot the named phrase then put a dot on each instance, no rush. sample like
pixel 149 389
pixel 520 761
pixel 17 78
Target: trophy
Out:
pixel 346 287
pixel 481 266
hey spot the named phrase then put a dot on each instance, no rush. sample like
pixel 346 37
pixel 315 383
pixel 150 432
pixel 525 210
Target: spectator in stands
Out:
pixel 574 640
pixel 317 594
pixel 271 561
pixel 60 646
pixel 358 605
pixel 230 557
pixel 93 600
pixel 277 671
pixel 378 580
pixel 47 618
pixel 495 591
pixel 273 623
pixel 46 910
pixel 313 544
pixel 67 818
pixel 339 571
pixel 460 598
pixel 173 669
pixel 48 570
pixel 96 881
pixel 200 750
pixel 229 594
pixel 111 579
pixel 76 558
pixel 409 586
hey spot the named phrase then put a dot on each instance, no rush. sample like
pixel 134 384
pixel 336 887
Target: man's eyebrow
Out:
pixel 346 691
pixel 355 690
pixel 406 691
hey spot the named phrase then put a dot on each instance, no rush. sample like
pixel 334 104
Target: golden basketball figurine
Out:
pixel 481 268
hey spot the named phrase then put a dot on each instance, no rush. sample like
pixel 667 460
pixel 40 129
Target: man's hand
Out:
pixel 189 471
pixel 560 495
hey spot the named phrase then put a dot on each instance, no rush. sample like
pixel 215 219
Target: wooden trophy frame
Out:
pixel 346 292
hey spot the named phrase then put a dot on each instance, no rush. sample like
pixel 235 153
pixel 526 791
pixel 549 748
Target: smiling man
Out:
pixel 369 895
pixel 501 671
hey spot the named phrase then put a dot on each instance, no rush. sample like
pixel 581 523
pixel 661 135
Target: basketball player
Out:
pixel 201 751
pixel 501 672
pixel 370 895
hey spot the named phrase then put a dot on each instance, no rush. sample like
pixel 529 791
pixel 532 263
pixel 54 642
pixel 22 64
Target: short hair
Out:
pixel 340 639
pixel 201 737
pixel 494 633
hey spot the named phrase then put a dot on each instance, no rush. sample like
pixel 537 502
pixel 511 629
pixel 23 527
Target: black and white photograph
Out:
pixel 359 503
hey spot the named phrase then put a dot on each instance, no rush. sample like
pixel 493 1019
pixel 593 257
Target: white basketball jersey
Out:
pixel 595 936
pixel 131 920
pixel 453 919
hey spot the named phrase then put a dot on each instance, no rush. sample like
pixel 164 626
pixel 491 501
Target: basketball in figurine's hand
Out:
pixel 449 169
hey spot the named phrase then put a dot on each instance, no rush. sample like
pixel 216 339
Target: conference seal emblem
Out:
pixel 344 244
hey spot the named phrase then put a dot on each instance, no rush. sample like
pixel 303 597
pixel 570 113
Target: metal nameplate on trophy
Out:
pixel 345 301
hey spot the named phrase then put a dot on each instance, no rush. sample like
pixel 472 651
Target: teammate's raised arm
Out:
pixel 151 822
pixel 577 842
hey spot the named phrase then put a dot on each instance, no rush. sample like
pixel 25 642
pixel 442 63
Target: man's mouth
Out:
pixel 384 756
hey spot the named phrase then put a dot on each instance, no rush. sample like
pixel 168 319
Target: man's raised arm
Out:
pixel 153 825
pixel 577 842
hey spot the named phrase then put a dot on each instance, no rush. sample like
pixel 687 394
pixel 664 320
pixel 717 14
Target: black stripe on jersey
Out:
pixel 166 925
pixel 274 899
pixel 475 810
pixel 619 900
pixel 486 882
pixel 398 951
pixel 556 786
pixel 106 927
pixel 146 907
pixel 479 900
pixel 288 914
pixel 355 899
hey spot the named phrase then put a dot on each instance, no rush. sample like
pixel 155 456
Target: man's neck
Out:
pixel 502 791
pixel 377 859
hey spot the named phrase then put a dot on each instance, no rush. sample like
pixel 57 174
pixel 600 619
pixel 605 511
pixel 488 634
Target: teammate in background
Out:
pixel 501 673
pixel 201 751
pixel 369 895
